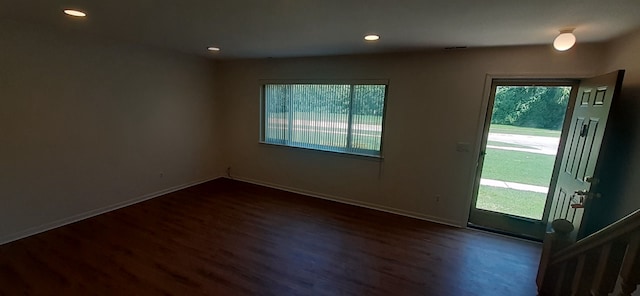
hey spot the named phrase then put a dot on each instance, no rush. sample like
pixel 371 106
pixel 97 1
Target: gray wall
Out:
pixel 620 163
pixel 87 125
pixel 435 99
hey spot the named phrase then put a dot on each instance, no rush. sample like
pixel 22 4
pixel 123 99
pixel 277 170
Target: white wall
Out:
pixel 87 125
pixel 435 99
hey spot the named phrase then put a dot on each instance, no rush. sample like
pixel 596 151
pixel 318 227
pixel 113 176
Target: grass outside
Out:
pixel 513 202
pixel 528 131
pixel 332 137
pixel 326 130
pixel 328 117
pixel 518 166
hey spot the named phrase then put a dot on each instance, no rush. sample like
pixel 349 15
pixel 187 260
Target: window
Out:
pixel 332 117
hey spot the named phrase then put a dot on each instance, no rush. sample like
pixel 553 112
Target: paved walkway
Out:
pixel 514 185
pixel 533 144
pixel 529 150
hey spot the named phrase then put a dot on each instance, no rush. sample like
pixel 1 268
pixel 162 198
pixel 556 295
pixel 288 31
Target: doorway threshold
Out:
pixel 503 233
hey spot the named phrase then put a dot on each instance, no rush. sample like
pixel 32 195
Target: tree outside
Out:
pixel 531 106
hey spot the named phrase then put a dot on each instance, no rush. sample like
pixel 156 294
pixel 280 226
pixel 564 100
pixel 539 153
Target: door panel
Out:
pixel 572 192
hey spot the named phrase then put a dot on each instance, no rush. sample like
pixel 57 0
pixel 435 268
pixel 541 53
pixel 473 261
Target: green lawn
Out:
pixel 517 166
pixel 509 201
pixel 326 136
pixel 332 117
pixel 516 130
pixel 325 129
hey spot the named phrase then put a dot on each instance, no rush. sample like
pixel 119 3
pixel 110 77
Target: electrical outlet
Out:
pixel 161 174
pixel 229 172
pixel 437 198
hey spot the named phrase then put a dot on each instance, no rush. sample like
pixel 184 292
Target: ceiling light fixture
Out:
pixel 371 37
pixel 565 40
pixel 213 48
pixel 76 13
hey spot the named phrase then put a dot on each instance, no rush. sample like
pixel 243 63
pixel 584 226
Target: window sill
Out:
pixel 336 153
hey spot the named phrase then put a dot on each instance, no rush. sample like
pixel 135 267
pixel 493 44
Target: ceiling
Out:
pixel 288 28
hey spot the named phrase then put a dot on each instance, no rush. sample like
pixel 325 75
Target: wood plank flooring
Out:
pixel 226 237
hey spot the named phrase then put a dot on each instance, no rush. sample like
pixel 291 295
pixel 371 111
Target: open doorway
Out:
pixel 521 137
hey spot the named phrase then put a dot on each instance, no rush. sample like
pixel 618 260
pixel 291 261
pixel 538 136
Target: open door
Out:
pixel 521 138
pixel 530 205
pixel 578 168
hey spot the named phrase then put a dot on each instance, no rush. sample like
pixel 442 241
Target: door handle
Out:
pixel 584 130
pixel 587 194
pixel 592 180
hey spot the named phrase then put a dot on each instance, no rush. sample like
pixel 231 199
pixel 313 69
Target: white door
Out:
pixel 582 148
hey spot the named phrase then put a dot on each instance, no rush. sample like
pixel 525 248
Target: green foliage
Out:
pixel 531 106
pixel 368 99
pixel 325 98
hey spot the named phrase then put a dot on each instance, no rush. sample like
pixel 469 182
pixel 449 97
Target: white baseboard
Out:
pixel 75 218
pixel 352 202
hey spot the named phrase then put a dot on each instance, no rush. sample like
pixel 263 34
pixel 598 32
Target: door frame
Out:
pixel 532 228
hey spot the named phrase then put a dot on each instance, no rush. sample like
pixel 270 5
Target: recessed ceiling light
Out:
pixel 76 13
pixel 371 37
pixel 213 48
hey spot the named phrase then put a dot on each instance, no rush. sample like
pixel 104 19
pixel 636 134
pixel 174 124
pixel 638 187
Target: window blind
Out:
pixel 333 117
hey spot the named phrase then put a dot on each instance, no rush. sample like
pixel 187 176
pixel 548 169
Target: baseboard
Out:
pixel 351 202
pixel 95 212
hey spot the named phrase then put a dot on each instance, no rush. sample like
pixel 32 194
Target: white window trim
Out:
pixel 328 149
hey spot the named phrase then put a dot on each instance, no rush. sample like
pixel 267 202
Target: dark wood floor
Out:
pixel 230 238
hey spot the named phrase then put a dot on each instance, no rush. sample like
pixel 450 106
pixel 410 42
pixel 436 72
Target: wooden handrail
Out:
pixel 608 234
pixel 595 265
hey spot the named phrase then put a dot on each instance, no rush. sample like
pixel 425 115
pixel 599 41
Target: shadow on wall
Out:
pixel 615 164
